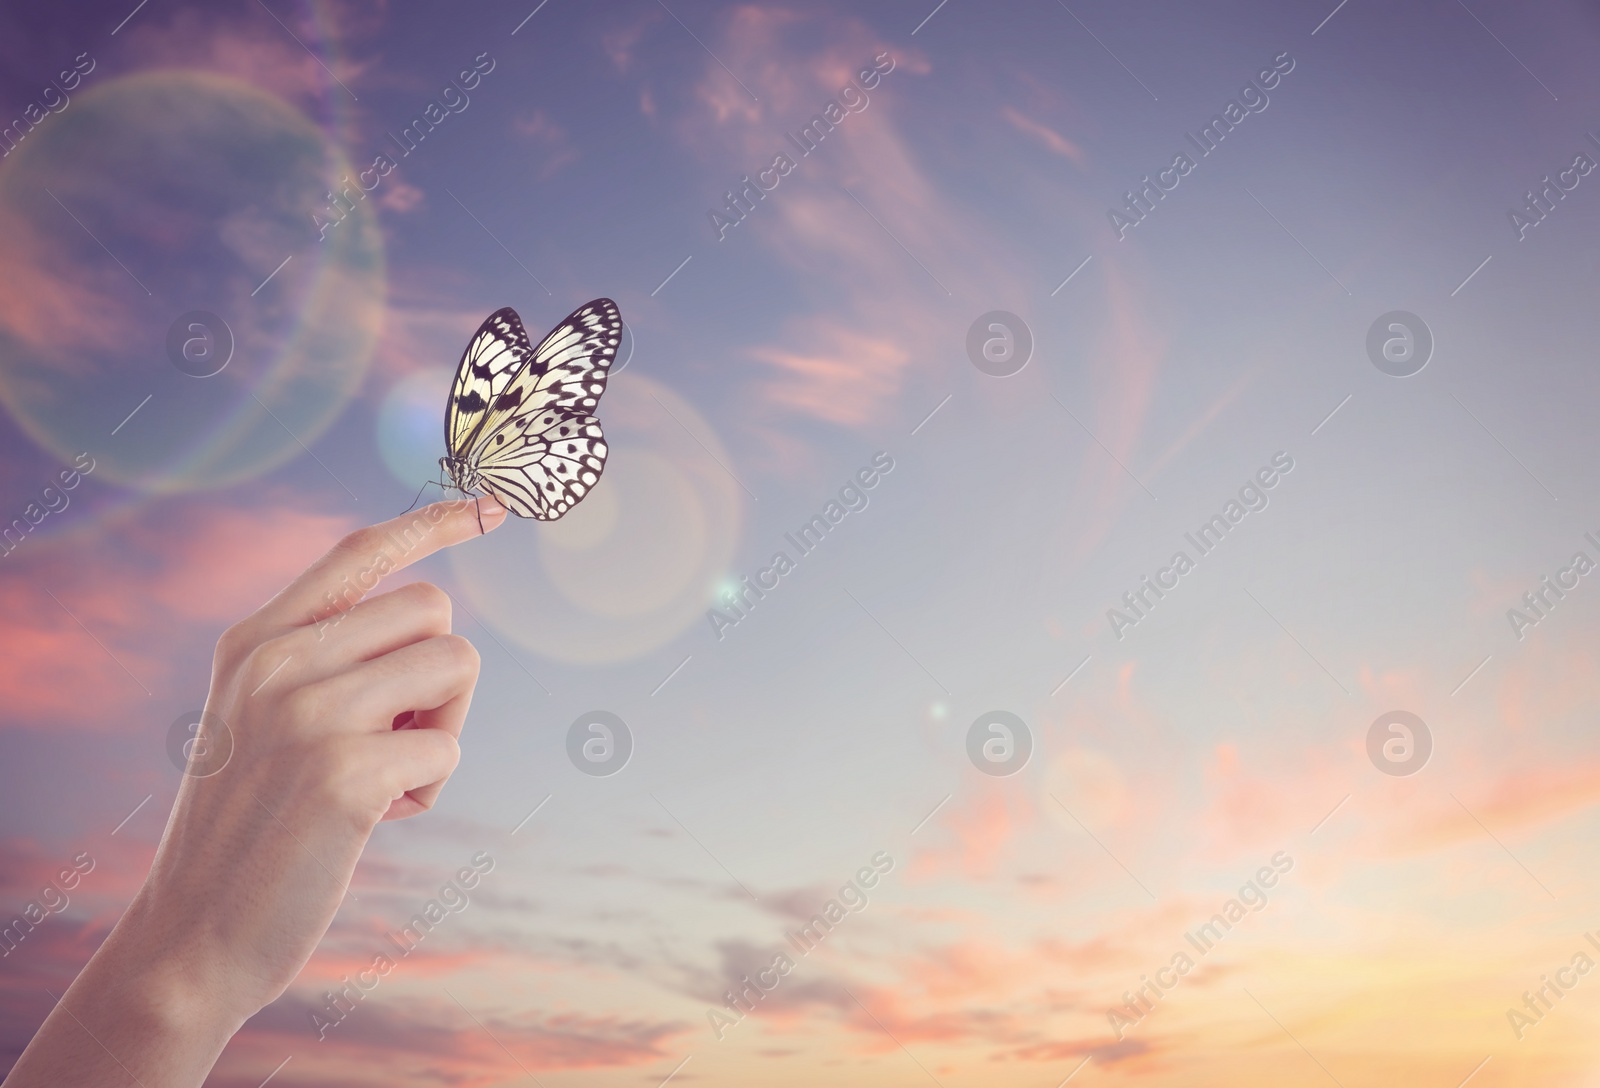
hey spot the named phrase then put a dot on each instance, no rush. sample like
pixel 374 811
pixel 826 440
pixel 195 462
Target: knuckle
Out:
pixel 341 776
pixel 357 542
pixel 304 705
pixel 453 746
pixel 460 653
pixel 236 641
pixel 434 601
pixel 263 662
pixel 340 767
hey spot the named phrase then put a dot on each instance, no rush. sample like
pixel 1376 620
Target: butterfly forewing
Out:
pixel 494 355
pixel 520 419
pixel 569 367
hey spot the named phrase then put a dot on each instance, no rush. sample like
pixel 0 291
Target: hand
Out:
pixel 340 714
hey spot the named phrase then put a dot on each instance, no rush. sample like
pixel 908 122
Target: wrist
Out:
pixel 149 1020
pixel 168 979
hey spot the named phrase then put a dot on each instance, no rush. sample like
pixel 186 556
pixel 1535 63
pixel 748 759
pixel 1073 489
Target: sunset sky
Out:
pixel 1192 337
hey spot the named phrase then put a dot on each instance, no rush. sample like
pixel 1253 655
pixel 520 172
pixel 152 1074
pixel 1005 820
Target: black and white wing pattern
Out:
pixel 493 356
pixel 546 464
pixel 521 423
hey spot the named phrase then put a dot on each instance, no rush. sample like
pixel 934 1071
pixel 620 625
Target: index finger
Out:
pixel 352 567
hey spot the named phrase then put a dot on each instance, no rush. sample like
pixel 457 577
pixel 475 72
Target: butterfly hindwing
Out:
pixel 545 464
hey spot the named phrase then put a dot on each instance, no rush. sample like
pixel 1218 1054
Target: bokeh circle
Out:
pixel 411 426
pixel 630 567
pixel 155 195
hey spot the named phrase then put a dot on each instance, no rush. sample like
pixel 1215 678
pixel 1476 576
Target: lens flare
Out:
pixel 410 431
pixel 627 570
pixel 155 196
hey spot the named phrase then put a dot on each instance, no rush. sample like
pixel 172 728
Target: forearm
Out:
pixel 259 852
pixel 130 1017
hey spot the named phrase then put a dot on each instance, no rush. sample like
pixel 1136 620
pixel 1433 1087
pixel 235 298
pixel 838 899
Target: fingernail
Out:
pixel 492 513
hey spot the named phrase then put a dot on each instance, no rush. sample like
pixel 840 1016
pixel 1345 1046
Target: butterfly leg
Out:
pixel 479 511
pixel 418 499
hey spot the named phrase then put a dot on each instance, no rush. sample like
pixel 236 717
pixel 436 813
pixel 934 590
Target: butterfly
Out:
pixel 520 422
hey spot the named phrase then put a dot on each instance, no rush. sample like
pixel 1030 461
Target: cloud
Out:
pixel 550 138
pixel 45 297
pixel 1045 135
pixel 846 357
pixel 410 1042
pixel 1518 801
pixel 981 831
pixel 421 332
pixel 45 962
pixel 878 255
pixel 101 620
pixel 1125 361
pixel 845 377
pixel 256 49
pixel 621 42
pixel 400 196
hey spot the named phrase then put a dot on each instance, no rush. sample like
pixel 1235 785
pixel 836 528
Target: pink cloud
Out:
pixel 1510 803
pixel 981 830
pixel 621 42
pixel 843 377
pixel 550 138
pixel 1049 137
pixel 148 584
pixel 872 332
pixel 46 295
pixel 255 49
pixel 408 1043
pixel 400 196
pixel 1126 361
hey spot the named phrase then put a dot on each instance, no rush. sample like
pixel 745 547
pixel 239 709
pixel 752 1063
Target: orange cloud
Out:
pixel 983 827
pixel 1513 802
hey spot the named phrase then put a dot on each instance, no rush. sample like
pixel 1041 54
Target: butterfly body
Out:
pixel 520 421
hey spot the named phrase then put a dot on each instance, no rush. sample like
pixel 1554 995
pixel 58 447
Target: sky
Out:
pixel 1072 286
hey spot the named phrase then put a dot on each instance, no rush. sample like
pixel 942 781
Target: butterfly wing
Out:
pixel 568 368
pixel 494 356
pixel 538 445
pixel 543 465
